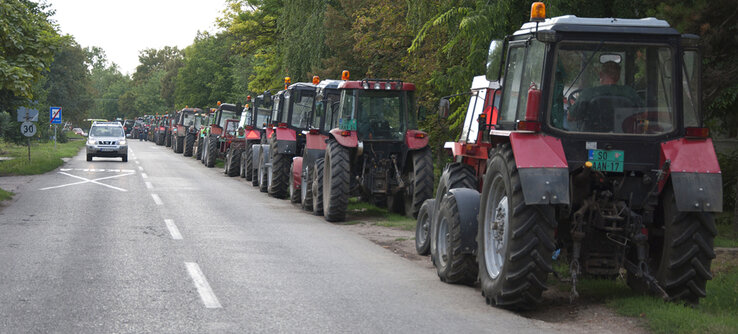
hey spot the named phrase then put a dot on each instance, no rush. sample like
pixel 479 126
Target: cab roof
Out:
pixel 394 84
pixel 572 23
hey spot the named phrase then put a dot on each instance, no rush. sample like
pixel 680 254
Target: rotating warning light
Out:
pixel 316 80
pixel 538 12
pixel 345 75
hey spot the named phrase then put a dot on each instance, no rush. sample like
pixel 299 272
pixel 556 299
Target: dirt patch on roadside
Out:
pixel 14 184
pixel 583 316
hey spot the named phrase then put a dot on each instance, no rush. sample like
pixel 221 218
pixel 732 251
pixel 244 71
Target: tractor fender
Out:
pixel 695 174
pixel 286 134
pixel 416 139
pixel 297 172
pixel 467 202
pixel 352 140
pixel 542 166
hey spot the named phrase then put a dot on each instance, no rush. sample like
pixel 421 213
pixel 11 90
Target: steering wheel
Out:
pixel 571 99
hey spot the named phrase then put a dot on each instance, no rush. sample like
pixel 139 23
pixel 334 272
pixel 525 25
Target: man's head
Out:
pixel 609 73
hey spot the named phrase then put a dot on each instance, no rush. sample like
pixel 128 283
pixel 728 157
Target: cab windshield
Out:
pixel 189 118
pixel 381 114
pixel 617 88
pixel 226 115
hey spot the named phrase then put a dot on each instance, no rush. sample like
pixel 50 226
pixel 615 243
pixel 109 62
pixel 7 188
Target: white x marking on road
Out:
pixel 86 180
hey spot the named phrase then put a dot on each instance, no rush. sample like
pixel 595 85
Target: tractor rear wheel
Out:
pixel 248 163
pixel 422 227
pixel 233 161
pixel 179 147
pixel 212 151
pixel 280 177
pixel 420 180
pixel 681 264
pixel 454 263
pixel 336 181
pixel 189 145
pixel 294 193
pixel 263 171
pixel 168 140
pixel 317 187
pixel 515 241
pixel 455 175
pixel 306 188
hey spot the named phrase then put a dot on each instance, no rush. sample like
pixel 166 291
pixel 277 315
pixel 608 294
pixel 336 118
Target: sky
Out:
pixel 124 27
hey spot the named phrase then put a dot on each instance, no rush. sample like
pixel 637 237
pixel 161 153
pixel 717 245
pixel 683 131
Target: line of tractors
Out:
pixel 546 166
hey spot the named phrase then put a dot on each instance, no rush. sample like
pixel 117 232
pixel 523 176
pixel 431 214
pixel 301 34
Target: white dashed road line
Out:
pixel 206 293
pixel 173 230
pixel 140 168
pixel 137 162
pixel 144 175
pixel 157 199
pixel 149 185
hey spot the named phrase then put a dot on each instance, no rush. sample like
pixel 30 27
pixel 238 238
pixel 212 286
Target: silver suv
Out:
pixel 107 139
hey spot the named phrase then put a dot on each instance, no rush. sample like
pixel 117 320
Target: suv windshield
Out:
pixel 106 131
pixel 618 88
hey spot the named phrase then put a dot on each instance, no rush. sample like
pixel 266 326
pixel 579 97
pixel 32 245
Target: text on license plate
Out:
pixel 607 161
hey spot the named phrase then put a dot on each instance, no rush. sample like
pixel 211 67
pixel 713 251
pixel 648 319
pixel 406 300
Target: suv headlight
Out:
pixel 90 141
pixel 122 142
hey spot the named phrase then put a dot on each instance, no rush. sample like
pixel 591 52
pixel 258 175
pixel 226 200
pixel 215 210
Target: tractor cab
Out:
pixel 291 111
pixel 226 120
pixel 255 116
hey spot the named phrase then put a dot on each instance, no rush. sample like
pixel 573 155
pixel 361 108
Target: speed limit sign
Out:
pixel 28 129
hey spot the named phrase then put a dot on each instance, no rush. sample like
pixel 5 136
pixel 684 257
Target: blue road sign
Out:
pixel 55 115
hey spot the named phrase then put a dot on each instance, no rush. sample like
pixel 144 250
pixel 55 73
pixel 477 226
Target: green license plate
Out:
pixel 607 161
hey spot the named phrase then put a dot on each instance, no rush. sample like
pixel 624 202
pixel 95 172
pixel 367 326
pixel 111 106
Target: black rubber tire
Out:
pixel 453 266
pixel 248 162
pixel 89 157
pixel 189 145
pixel 198 153
pixel 317 186
pixel 306 188
pixel 179 147
pixel 422 227
pixel 124 158
pixel 279 184
pixel 263 173
pixel 294 192
pixel 234 161
pixel 455 175
pixel 336 181
pixel 212 151
pixel 682 265
pixel 167 140
pixel 527 239
pixel 420 180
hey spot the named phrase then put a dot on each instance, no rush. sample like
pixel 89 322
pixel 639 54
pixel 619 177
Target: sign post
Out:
pixel 55 117
pixel 28 129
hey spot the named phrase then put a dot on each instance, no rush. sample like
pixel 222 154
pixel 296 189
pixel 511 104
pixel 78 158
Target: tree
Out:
pixel 67 83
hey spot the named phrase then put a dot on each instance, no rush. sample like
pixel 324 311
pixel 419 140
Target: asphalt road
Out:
pixel 162 244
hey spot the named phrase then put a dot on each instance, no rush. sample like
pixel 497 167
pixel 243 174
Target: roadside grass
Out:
pixel 44 157
pixel 381 217
pixel 5 195
pixel 726 236
pixel 219 163
pixel 715 314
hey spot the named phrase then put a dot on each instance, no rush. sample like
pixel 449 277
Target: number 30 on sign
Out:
pixel 28 129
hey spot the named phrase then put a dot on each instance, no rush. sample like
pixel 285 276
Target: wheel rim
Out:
pixel 261 174
pixel 442 241
pixel 422 234
pixel 303 188
pixel 269 176
pixel 496 226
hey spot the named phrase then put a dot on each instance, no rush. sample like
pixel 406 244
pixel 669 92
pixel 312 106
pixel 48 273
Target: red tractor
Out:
pixel 254 121
pixel 222 134
pixel 469 160
pixel 285 139
pixel 374 150
pixel 599 157
pixel 303 167
pixel 181 137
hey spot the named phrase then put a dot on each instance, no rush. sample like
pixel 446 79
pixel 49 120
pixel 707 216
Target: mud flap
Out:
pixel 467 202
pixel 698 192
pixel 545 185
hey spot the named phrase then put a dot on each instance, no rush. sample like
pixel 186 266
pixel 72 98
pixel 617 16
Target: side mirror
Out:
pixel 443 108
pixel 494 60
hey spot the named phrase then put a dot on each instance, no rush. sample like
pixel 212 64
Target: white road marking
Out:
pixel 137 162
pixel 144 175
pixel 149 185
pixel 140 168
pixel 157 199
pixel 173 230
pixel 86 180
pixel 206 293
pixel 97 170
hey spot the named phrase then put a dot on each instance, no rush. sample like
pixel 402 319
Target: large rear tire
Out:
pixel 515 241
pixel 420 179
pixel 180 145
pixel 189 145
pixel 684 258
pixel 336 181
pixel 317 186
pixel 212 151
pixel 422 227
pixel 280 177
pixel 248 162
pixel 233 161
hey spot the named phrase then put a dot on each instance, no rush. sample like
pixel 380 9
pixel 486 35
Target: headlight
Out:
pixel 122 142
pixel 90 141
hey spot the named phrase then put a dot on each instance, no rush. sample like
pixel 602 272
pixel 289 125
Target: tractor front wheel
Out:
pixel 422 227
pixel 248 162
pixel 212 151
pixel 317 187
pixel 420 182
pixel 279 178
pixel 455 175
pixel 306 188
pixel 189 145
pixel 455 264
pixel 233 161
pixel 336 182
pixel 515 241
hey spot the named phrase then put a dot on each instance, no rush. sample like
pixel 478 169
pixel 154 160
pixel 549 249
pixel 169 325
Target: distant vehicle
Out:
pixel 107 139
pixel 128 126
pixel 79 131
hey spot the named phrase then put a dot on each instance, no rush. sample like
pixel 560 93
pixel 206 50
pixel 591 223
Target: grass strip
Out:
pixel 5 195
pixel 44 157
pixel 383 217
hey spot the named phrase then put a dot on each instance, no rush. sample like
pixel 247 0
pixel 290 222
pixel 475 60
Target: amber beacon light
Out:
pixel 345 75
pixel 538 12
pixel 316 80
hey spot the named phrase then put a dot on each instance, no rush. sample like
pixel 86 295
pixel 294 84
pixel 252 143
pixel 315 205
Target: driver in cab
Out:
pixel 595 106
